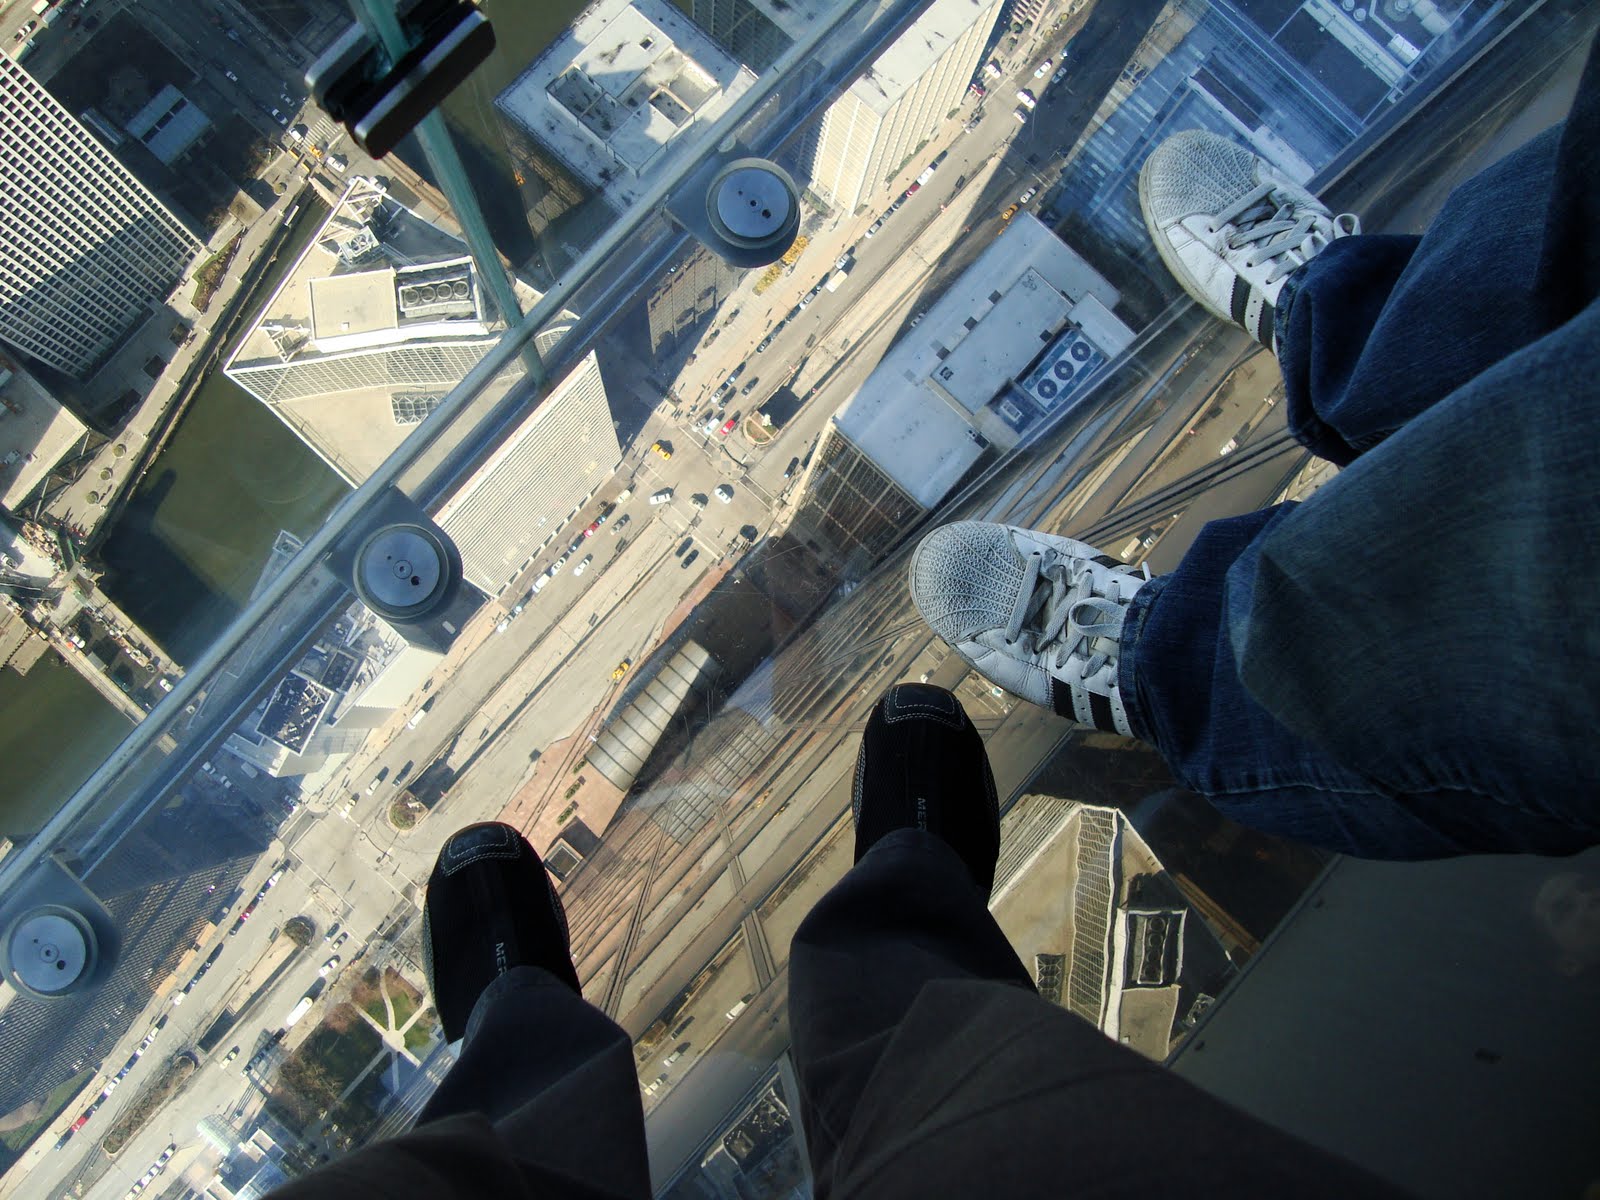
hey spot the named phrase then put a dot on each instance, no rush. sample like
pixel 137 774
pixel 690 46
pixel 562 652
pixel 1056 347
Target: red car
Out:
pixel 80 1122
pixel 727 426
pixel 592 530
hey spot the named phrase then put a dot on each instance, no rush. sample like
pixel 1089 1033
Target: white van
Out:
pixel 662 496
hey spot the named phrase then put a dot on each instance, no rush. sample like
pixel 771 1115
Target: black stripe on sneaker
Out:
pixel 1104 718
pixel 1239 299
pixel 1105 560
pixel 1266 321
pixel 1061 699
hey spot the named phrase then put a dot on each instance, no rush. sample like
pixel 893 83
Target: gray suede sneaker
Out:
pixel 1038 614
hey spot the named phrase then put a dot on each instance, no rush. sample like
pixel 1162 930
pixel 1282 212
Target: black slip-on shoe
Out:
pixel 490 907
pixel 922 765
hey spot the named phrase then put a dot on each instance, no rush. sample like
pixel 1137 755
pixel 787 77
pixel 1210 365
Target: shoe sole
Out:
pixel 1169 259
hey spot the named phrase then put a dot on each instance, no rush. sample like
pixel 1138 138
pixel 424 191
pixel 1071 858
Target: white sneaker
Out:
pixel 1231 227
pixel 1038 614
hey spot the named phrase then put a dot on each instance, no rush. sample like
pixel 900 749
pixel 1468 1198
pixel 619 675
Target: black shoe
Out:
pixel 922 766
pixel 490 907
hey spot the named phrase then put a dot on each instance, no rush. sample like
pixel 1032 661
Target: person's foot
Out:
pixel 1038 614
pixel 1231 227
pixel 922 766
pixel 490 907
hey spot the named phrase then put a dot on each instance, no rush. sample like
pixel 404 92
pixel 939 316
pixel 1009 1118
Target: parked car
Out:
pixel 328 967
pixel 683 547
pixel 1010 212
pixel 584 565
pixel 662 450
pixel 794 463
pixel 749 387
pixel 1029 100
pixel 724 493
pixel 689 559
pixel 1043 69
pixel 332 929
pixel 662 496
pixel 1028 195
pixel 230 1056
pixel 1021 114
pixel 728 426
pixel 621 669
pixel 622 522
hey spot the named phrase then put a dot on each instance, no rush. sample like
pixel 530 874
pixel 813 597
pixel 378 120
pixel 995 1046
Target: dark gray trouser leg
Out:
pixel 907 913
pixel 929 1066
pixel 556 1077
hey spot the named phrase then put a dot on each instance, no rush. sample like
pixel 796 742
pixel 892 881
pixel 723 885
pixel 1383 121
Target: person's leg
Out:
pixel 1372 330
pixel 543 1100
pixel 927 840
pixel 551 1071
pixel 1377 329
pixel 1330 671
pixel 1396 669
pixel 555 1075
pixel 928 1064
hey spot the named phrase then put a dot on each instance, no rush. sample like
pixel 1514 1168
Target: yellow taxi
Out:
pixel 661 451
pixel 622 669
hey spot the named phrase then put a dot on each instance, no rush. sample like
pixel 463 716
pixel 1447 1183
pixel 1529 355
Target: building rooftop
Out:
pixel 353 304
pixel 168 124
pixel 943 393
pixel 913 54
pixel 538 475
pixel 376 279
pixel 617 94
pixel 35 433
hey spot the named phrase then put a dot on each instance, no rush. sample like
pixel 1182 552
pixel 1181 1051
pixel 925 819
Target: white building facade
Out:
pixel 870 131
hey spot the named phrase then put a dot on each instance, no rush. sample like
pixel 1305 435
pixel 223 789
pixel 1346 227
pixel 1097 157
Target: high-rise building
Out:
pixel 84 246
pixel 1011 346
pixel 378 319
pixel 870 132
pixel 535 480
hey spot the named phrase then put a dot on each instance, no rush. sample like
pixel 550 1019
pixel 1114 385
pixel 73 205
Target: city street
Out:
pixel 682 930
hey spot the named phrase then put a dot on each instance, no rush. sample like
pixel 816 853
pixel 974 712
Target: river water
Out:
pixel 189 547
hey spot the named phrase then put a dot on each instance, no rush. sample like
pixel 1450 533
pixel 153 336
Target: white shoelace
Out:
pixel 1278 231
pixel 1060 607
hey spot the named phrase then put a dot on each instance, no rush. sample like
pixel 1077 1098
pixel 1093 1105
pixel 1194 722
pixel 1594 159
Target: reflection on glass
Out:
pixel 681 548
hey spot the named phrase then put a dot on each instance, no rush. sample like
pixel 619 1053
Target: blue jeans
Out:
pixel 1407 665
